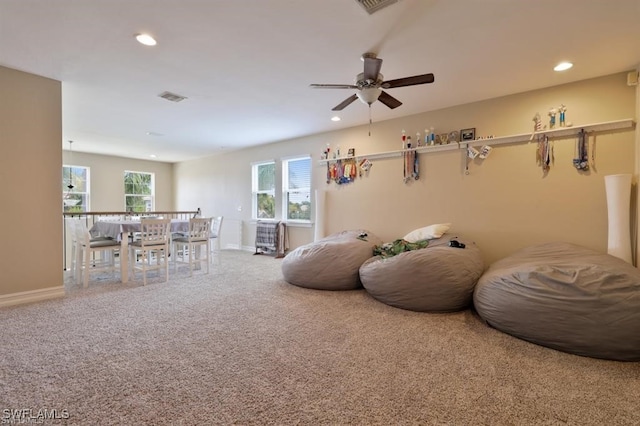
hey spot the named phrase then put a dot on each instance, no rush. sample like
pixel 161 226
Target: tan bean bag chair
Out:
pixel 437 278
pixel 331 263
pixel 565 297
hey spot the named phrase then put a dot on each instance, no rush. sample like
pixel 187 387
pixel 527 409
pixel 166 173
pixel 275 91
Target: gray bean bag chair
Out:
pixel 437 278
pixel 331 263
pixel 565 297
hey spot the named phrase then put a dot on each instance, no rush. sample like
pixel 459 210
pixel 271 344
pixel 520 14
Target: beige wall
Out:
pixel 636 219
pixel 30 136
pixel 106 179
pixel 505 203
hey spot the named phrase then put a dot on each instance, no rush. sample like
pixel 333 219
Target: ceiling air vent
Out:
pixel 172 97
pixel 372 6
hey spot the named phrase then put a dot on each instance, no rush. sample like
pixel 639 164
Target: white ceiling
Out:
pixel 246 65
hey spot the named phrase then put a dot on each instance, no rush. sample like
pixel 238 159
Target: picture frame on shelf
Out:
pixel 468 134
pixel 351 152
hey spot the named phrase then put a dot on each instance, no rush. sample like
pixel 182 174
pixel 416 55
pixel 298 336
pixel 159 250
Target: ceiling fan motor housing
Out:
pixel 363 83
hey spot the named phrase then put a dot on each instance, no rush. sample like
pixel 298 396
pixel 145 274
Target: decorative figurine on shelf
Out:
pixel 404 139
pixel 537 125
pixel 418 140
pixel 562 110
pixel 552 118
pixel 427 136
pixel 432 139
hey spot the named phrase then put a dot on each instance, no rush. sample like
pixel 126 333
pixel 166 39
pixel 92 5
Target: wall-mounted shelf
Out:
pixel 398 153
pixel 561 132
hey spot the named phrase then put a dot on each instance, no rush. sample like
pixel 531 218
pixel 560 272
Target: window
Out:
pixel 75 188
pixel 263 186
pixel 138 191
pixel 296 188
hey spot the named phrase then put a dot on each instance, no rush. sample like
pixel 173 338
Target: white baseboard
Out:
pixel 31 296
pixel 239 247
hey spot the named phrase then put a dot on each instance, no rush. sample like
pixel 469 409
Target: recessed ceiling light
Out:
pixel 153 156
pixel 335 118
pixel 146 39
pixel 563 66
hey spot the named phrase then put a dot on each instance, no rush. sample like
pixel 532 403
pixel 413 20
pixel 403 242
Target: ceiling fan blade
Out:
pixel 389 100
pixel 344 103
pixel 333 86
pixel 372 68
pixel 408 81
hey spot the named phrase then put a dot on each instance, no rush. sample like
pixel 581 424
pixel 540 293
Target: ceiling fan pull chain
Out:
pixel 369 120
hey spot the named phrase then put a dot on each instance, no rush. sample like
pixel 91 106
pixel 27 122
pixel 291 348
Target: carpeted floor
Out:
pixel 241 346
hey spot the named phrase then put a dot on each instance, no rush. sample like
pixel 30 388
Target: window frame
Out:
pixel 256 191
pixel 152 195
pixel 66 179
pixel 286 190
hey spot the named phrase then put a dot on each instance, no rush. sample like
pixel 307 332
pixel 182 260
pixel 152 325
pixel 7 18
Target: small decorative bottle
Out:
pixel 426 137
pixel 418 140
pixel 404 139
pixel 432 138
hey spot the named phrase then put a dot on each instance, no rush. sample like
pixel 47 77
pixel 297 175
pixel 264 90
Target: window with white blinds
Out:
pixel 296 190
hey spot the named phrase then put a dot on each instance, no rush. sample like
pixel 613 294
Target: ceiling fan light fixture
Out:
pixel 369 95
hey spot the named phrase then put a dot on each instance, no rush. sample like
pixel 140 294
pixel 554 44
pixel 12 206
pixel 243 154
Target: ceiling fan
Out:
pixel 369 84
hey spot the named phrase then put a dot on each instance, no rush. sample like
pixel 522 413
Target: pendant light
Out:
pixel 66 200
pixel 70 186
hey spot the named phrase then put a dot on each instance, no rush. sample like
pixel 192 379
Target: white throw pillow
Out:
pixel 427 233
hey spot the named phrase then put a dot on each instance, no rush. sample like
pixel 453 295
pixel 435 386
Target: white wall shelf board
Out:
pixel 561 132
pixel 398 153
